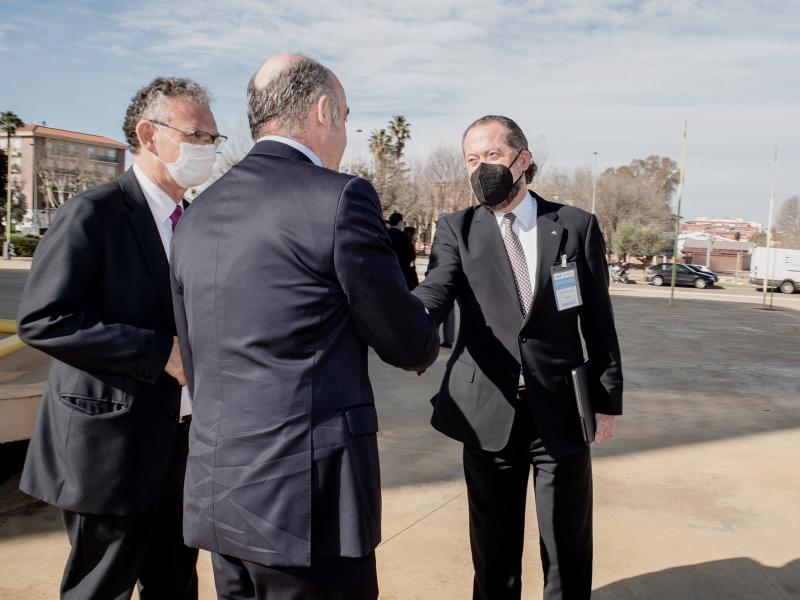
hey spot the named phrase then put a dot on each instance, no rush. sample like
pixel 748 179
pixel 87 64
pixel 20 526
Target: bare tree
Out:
pixel 444 187
pixel 235 149
pixel 445 175
pixel 622 196
pixel 787 225
pixel 540 156
pixel 63 175
pixel 567 187
pixel 638 193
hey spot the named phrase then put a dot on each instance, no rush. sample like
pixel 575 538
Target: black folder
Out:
pixel 581 385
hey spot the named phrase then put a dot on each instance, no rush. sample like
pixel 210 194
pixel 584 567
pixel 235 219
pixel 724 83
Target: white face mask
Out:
pixel 194 165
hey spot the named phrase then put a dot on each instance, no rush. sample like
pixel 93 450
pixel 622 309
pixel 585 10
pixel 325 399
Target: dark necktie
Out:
pixel 175 216
pixel 518 263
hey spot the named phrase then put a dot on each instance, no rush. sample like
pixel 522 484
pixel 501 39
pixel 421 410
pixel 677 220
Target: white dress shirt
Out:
pixel 162 207
pixel 294 144
pixel 525 228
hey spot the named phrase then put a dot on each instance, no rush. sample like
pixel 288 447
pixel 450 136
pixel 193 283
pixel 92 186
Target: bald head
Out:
pixel 282 92
pixel 298 98
pixel 273 67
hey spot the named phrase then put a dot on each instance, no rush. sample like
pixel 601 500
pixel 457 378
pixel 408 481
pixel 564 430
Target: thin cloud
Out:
pixel 618 77
pixel 425 53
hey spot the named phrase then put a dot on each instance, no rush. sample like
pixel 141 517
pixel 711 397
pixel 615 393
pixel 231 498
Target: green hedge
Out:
pixel 25 244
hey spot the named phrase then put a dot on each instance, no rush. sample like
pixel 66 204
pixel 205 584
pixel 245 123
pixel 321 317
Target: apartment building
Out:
pixel 48 166
pixel 727 228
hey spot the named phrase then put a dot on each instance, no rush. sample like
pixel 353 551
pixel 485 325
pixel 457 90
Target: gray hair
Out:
pixel 514 138
pixel 284 102
pixel 150 103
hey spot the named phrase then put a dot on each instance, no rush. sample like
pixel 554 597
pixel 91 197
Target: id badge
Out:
pixel 565 284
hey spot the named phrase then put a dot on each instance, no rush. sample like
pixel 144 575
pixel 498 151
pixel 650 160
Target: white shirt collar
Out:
pixel 525 213
pixel 161 205
pixel 294 144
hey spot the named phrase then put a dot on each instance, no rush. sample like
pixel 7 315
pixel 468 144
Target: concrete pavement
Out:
pixel 695 498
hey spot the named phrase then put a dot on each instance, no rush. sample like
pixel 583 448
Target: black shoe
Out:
pixel 446 345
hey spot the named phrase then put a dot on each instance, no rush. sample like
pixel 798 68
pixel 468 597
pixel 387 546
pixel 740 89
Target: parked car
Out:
pixel 704 269
pixel 662 275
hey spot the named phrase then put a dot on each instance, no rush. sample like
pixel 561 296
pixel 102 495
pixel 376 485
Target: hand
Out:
pixel 605 427
pixel 175 364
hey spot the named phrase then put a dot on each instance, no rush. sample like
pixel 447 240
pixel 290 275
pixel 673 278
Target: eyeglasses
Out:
pixel 201 138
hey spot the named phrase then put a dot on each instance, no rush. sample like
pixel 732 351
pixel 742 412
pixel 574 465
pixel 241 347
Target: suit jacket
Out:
pixel 405 255
pixel 283 275
pixel 469 264
pixel 98 301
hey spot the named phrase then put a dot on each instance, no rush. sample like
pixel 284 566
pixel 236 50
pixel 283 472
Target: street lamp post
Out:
pixel 352 151
pixel 678 218
pixel 594 183
pixel 769 231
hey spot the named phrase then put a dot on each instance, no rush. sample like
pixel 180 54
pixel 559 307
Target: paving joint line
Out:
pixel 422 518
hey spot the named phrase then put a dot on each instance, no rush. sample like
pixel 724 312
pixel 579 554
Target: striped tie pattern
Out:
pixel 518 263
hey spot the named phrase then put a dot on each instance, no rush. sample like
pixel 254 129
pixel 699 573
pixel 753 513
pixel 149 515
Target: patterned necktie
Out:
pixel 175 216
pixel 518 263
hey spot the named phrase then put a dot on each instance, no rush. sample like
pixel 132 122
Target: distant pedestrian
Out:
pixel 412 279
pixel 402 248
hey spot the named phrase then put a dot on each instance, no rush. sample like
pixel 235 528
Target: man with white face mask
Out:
pixel 111 439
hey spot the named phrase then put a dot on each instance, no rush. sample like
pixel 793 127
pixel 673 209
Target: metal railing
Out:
pixel 13 343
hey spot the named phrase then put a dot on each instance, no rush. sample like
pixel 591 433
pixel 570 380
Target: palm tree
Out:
pixel 400 130
pixel 9 122
pixel 380 145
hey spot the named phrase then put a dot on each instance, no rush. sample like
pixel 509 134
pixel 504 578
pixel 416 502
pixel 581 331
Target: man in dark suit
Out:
pixel 283 276
pixel 111 439
pixel 506 392
pixel 403 249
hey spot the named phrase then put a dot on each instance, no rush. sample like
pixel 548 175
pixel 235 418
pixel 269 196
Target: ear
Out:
pixel 325 112
pixel 145 131
pixel 525 159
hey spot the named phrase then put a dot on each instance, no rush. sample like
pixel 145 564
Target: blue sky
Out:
pixel 618 78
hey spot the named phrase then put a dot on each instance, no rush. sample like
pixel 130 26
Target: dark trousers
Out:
pixel 497 485
pixel 326 579
pixel 110 554
pixel 449 327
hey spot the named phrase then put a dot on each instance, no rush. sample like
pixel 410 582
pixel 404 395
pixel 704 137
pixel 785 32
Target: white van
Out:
pixel 784 268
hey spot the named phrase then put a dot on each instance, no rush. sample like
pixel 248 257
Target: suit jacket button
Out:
pixel 514 375
pixel 523 339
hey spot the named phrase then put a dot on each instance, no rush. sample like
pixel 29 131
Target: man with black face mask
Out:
pixel 530 277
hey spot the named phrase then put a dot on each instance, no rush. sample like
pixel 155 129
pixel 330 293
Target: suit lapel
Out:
pixel 491 243
pixel 149 240
pixel 549 235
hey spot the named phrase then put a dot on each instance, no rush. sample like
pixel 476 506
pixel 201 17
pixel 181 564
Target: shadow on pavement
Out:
pixel 21 515
pixel 704 371
pixel 11 285
pixel 700 371
pixel 732 579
